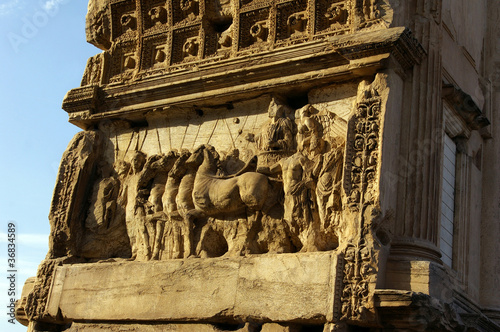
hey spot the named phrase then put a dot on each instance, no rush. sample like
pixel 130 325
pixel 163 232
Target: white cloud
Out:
pixel 10 6
pixel 51 4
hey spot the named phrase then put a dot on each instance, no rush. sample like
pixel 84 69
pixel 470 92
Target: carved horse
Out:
pixel 213 195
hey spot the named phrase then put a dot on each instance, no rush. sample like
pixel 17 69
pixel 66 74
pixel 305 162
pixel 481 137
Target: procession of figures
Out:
pixel 200 203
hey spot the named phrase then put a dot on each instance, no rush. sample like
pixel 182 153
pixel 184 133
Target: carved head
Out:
pixel 137 161
pixel 190 47
pixel 304 111
pixel 168 160
pixel 122 167
pixel 196 157
pixel 179 167
pixel 276 109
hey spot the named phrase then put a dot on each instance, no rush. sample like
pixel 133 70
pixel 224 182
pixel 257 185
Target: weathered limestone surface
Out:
pixel 185 327
pixel 277 166
pixel 269 288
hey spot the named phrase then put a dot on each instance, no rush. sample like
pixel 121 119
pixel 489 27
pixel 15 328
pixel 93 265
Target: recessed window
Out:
pixel 448 200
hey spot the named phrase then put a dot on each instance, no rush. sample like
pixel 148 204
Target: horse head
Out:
pixel 197 157
pixel 168 160
pixel 211 160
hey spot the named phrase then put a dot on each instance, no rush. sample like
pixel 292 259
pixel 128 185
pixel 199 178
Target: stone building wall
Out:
pixel 277 166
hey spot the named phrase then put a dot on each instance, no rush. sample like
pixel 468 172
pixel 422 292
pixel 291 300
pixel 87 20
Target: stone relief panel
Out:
pixel 257 176
pixel 269 175
pixel 185 33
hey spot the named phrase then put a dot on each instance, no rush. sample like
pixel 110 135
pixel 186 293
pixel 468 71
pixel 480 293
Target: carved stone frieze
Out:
pixel 164 193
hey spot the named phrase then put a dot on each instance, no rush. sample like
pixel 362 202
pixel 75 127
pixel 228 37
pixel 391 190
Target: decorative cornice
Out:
pixel 411 311
pixel 295 67
pixel 465 106
pixel 397 41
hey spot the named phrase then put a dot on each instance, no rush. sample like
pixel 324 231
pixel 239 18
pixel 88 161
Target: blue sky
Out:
pixel 43 53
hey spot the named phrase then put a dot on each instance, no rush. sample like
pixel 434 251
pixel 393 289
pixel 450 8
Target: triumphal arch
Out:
pixel 250 165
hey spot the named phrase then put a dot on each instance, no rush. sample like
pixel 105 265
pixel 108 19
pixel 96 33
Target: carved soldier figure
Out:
pixel 328 189
pixel 278 134
pixel 174 234
pixel 134 211
pixel 232 163
pixel 184 201
pixel 104 196
pixel 299 205
pixel 309 132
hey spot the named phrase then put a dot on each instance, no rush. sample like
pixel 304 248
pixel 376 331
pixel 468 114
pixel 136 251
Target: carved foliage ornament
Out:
pixel 360 267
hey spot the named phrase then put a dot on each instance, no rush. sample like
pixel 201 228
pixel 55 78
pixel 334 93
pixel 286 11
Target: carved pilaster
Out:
pixel 421 141
pixel 361 187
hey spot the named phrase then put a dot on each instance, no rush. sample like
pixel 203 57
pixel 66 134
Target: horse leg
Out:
pixel 189 225
pixel 253 219
pixel 142 229
pixel 160 227
pixel 145 236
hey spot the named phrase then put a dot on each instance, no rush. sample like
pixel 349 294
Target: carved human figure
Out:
pixel 122 169
pixel 184 201
pixel 278 134
pixel 328 188
pixel 104 200
pixel 134 211
pixel 151 184
pixel 299 201
pixel 309 132
pixel 232 163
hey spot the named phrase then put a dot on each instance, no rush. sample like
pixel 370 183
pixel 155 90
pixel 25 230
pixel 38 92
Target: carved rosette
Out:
pixel 362 158
pixel 152 37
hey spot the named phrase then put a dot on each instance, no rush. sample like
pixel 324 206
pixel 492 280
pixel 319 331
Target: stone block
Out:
pixel 280 288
